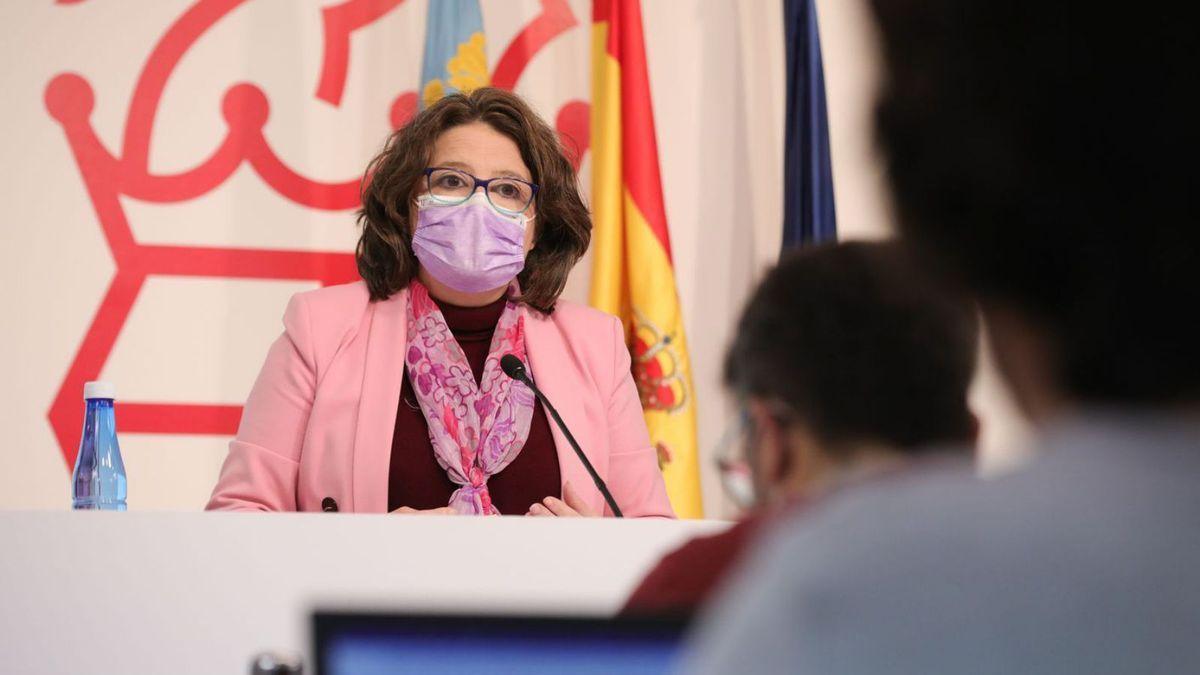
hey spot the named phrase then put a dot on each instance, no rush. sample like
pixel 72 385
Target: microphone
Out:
pixel 512 367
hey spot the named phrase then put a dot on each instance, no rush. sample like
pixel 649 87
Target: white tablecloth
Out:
pixel 158 593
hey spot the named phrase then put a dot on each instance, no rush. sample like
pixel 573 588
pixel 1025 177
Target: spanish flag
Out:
pixel 632 274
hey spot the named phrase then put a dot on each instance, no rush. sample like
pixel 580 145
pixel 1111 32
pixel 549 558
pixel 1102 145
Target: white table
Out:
pixel 157 593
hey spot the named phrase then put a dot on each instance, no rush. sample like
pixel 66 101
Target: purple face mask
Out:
pixel 469 247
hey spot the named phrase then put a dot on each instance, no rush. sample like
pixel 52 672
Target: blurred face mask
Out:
pixel 734 463
pixel 470 247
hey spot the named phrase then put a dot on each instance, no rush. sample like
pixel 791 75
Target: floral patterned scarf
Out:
pixel 476 429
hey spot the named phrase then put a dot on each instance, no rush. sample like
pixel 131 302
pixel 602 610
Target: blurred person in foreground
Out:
pixel 850 365
pixel 1032 151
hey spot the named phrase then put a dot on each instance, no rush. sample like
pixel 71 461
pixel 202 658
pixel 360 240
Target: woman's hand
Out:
pixel 409 511
pixel 570 506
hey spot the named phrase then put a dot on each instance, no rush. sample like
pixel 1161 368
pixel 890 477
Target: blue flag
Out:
pixel 808 211
pixel 455 58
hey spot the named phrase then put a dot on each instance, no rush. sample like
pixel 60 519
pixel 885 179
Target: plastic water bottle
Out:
pixel 98 481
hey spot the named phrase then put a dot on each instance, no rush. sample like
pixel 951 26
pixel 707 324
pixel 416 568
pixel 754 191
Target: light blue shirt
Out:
pixel 1087 561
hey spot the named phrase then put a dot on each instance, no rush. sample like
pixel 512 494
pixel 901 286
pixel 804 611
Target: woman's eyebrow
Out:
pixel 462 166
pixel 507 173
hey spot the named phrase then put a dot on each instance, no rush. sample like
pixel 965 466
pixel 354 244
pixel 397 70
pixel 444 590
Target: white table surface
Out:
pixel 158 593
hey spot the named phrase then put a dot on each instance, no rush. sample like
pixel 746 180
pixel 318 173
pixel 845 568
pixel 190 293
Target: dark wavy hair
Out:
pixel 563 229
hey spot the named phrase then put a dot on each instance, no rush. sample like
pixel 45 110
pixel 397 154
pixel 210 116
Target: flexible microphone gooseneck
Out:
pixel 513 367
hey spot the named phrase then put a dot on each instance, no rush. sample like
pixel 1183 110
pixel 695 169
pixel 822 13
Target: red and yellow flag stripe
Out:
pixel 632 273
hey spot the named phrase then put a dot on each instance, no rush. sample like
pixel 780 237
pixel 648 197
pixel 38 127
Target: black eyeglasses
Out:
pixel 506 194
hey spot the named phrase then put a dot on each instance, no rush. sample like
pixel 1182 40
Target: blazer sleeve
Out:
pixel 260 471
pixel 633 474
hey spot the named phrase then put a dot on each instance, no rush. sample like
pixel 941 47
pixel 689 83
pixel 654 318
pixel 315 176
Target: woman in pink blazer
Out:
pixel 386 395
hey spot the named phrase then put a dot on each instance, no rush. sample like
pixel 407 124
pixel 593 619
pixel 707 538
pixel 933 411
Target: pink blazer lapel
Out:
pixel 553 371
pixel 383 375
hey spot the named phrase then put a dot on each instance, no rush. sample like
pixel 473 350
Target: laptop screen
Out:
pixel 362 644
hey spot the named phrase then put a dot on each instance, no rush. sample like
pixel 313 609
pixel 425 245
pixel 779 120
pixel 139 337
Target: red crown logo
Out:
pixel 107 176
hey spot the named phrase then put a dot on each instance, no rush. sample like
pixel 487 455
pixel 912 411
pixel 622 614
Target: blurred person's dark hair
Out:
pixel 1040 152
pixel 860 347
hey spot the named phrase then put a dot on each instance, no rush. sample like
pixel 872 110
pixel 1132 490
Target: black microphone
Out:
pixel 513 367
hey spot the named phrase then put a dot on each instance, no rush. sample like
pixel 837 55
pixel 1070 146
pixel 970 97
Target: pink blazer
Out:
pixel 320 417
